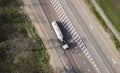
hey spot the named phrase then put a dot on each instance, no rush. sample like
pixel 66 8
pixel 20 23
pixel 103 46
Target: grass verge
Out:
pixel 116 41
pixel 112 11
pixel 21 49
pixel 41 51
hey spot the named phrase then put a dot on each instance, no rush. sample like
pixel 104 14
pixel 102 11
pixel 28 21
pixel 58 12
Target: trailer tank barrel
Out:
pixel 57 30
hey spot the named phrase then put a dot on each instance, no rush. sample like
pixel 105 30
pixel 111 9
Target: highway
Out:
pixel 72 59
pixel 88 52
pixel 108 22
pixel 78 62
pixel 100 50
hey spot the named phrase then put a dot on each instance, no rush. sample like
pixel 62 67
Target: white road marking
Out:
pixel 65 63
pixel 65 19
pixel 58 9
pixel 79 42
pixel 71 29
pixel 91 26
pixel 95 66
pixel 81 45
pixel 69 26
pixel 87 38
pixel 89 56
pixel 88 70
pixel 52 1
pixel 55 4
pixel 87 53
pixel 61 14
pixel 74 34
pixel 76 62
pixel 84 47
pixel 69 22
pixel 76 37
pixel 101 37
pixel 114 61
pixel 91 59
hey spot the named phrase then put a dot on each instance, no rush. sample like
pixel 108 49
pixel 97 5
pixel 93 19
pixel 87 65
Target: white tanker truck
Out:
pixel 59 34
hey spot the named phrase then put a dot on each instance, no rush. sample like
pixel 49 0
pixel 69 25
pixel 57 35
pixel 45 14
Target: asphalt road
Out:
pixel 73 60
pixel 97 46
pixel 94 56
pixel 108 22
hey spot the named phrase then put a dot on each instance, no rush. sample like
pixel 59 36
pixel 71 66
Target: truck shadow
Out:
pixel 72 70
pixel 67 36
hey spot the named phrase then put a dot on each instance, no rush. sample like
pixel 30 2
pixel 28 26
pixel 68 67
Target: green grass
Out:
pixel 116 41
pixel 39 50
pixel 111 10
pixel 18 35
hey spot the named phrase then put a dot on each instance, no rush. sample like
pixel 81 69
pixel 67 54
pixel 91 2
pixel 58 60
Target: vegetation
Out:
pixel 116 41
pixel 112 11
pixel 21 49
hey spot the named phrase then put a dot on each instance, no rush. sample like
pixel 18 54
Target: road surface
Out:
pixel 108 22
pixel 73 59
pixel 100 50
pixel 88 51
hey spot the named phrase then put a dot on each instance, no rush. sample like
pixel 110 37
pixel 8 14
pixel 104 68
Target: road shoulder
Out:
pixel 98 26
pixel 40 30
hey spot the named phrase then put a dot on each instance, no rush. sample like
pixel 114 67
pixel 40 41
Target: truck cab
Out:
pixel 59 34
pixel 64 45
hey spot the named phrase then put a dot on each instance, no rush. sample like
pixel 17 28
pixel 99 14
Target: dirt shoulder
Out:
pixel 30 10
